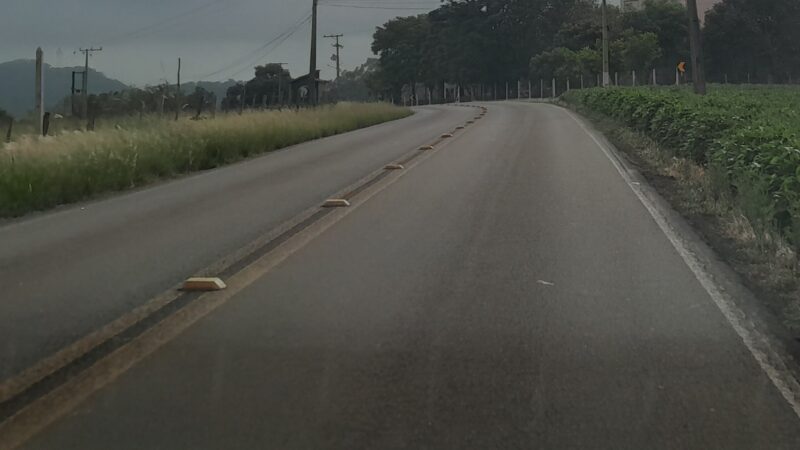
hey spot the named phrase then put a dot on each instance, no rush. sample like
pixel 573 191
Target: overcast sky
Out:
pixel 216 39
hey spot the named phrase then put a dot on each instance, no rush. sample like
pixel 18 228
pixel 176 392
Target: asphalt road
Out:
pixel 65 274
pixel 510 291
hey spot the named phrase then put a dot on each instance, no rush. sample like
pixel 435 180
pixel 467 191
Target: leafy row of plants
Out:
pixel 751 135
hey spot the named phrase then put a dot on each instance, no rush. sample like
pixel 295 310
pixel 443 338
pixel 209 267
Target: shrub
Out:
pixel 751 135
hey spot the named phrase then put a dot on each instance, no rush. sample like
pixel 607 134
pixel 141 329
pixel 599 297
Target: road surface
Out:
pixel 508 291
pixel 67 273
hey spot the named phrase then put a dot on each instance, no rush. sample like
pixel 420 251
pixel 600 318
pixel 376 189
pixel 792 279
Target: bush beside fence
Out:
pixel 751 135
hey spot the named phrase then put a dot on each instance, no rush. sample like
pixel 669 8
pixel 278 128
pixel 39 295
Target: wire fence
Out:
pixel 540 89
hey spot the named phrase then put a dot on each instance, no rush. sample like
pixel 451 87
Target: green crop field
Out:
pixel 750 135
pixel 38 173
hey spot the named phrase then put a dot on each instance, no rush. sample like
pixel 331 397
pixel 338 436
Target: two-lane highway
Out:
pixel 509 291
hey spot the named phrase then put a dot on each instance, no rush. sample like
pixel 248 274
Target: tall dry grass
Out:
pixel 38 173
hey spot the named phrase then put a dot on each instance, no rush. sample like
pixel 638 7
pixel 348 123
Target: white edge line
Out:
pixel 770 360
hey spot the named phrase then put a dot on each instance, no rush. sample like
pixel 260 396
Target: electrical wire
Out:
pixel 259 52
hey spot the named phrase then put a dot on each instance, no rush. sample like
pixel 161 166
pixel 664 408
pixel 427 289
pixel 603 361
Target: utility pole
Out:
pixel 696 44
pixel 312 70
pixel 85 87
pixel 280 83
pixel 40 90
pixel 606 70
pixel 178 94
pixel 337 47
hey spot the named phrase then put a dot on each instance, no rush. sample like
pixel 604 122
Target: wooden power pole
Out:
pixel 280 83
pixel 40 90
pixel 338 47
pixel 696 44
pixel 312 70
pixel 606 69
pixel 85 86
pixel 178 100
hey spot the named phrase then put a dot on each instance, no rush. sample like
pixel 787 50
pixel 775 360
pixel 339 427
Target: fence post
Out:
pixel 530 93
pixel 616 78
pixel 677 77
pixel 634 77
pixel 581 81
pixel 567 84
pixel 506 90
pixel 541 88
pixel 655 79
pixel 554 88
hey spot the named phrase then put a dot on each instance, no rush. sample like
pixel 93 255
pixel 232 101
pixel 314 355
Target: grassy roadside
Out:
pixel 40 173
pixel 730 214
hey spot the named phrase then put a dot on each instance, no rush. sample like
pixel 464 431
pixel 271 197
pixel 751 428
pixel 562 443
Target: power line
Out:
pixel 167 21
pixel 248 57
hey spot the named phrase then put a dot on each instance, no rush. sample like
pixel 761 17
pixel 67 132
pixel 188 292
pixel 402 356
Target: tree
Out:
pixel 400 44
pixel 636 51
pixel 590 61
pixel 356 85
pixel 473 41
pixel 758 37
pixel 666 19
pixel 263 88
pixel 557 63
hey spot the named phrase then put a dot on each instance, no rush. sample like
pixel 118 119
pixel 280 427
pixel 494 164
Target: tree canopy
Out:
pixel 756 37
pixel 494 41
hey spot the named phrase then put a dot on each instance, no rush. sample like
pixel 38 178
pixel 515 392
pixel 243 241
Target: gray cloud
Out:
pixel 142 39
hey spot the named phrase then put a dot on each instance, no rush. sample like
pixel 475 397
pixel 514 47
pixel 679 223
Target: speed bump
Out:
pixel 203 285
pixel 426 147
pixel 394 167
pixel 336 203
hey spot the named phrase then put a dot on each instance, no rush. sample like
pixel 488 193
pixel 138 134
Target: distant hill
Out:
pixel 17 85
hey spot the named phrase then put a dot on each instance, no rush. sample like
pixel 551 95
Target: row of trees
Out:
pixel 161 99
pixel 760 38
pixel 271 85
pixel 494 41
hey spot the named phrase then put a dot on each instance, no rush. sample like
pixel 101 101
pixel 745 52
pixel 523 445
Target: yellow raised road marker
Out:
pixel 426 147
pixel 203 285
pixel 336 203
pixel 394 167
pixel 447 135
